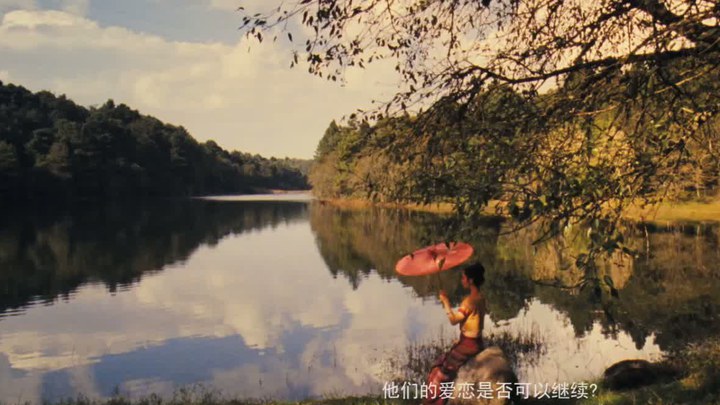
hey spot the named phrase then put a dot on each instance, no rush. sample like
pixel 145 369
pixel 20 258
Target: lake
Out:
pixel 287 298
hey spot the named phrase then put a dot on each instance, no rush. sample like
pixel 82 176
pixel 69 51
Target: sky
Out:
pixel 184 62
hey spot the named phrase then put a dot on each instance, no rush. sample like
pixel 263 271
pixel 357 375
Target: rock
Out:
pixel 630 374
pixel 490 366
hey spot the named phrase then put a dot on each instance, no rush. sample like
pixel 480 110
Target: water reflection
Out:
pixel 292 300
pixel 670 291
pixel 46 255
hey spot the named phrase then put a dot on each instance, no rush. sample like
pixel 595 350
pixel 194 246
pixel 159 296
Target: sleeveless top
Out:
pixel 474 313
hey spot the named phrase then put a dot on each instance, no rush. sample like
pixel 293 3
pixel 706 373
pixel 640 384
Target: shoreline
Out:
pixel 677 212
pixel 260 190
pixel 358 203
pixel 664 212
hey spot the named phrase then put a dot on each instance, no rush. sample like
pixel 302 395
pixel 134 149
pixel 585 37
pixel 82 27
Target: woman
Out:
pixel 470 316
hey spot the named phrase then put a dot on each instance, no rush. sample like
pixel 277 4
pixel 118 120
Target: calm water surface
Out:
pixel 288 298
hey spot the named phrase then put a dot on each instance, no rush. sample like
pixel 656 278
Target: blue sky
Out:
pixel 183 61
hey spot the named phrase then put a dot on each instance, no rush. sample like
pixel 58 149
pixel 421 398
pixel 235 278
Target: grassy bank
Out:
pixel 203 395
pixel 665 212
pixel 356 203
pixel 698 384
pixel 279 191
pixel 685 391
pixel 674 211
pixel 219 400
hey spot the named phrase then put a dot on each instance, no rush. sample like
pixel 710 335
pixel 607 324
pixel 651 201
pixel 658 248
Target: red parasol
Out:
pixel 434 259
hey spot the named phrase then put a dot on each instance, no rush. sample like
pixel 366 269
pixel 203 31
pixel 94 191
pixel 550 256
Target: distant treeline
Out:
pixel 51 146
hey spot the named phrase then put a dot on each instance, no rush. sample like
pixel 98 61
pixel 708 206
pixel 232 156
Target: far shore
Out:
pixel 278 191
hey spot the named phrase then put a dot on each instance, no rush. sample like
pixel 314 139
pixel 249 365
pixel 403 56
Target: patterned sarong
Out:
pixel 446 367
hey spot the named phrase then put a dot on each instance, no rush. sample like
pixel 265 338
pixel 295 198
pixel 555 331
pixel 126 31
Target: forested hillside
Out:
pixel 51 146
pixel 506 148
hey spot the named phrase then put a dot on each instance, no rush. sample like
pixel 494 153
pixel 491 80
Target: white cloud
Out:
pixel 249 101
pixel 33 30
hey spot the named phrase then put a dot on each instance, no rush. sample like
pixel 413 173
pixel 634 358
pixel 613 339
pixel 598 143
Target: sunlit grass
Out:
pixel 665 212
pixel 356 203
pixel 202 395
pixel 671 212
pixel 156 400
pixel 700 385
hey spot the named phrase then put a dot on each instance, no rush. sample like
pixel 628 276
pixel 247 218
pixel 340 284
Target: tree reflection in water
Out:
pixel 670 289
pixel 46 255
pixel 669 292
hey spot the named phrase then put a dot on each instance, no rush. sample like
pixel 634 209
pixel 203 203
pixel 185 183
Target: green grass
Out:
pixel 152 400
pixel 198 395
pixel 678 392
pixel 682 211
pixel 701 384
pixel 694 211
